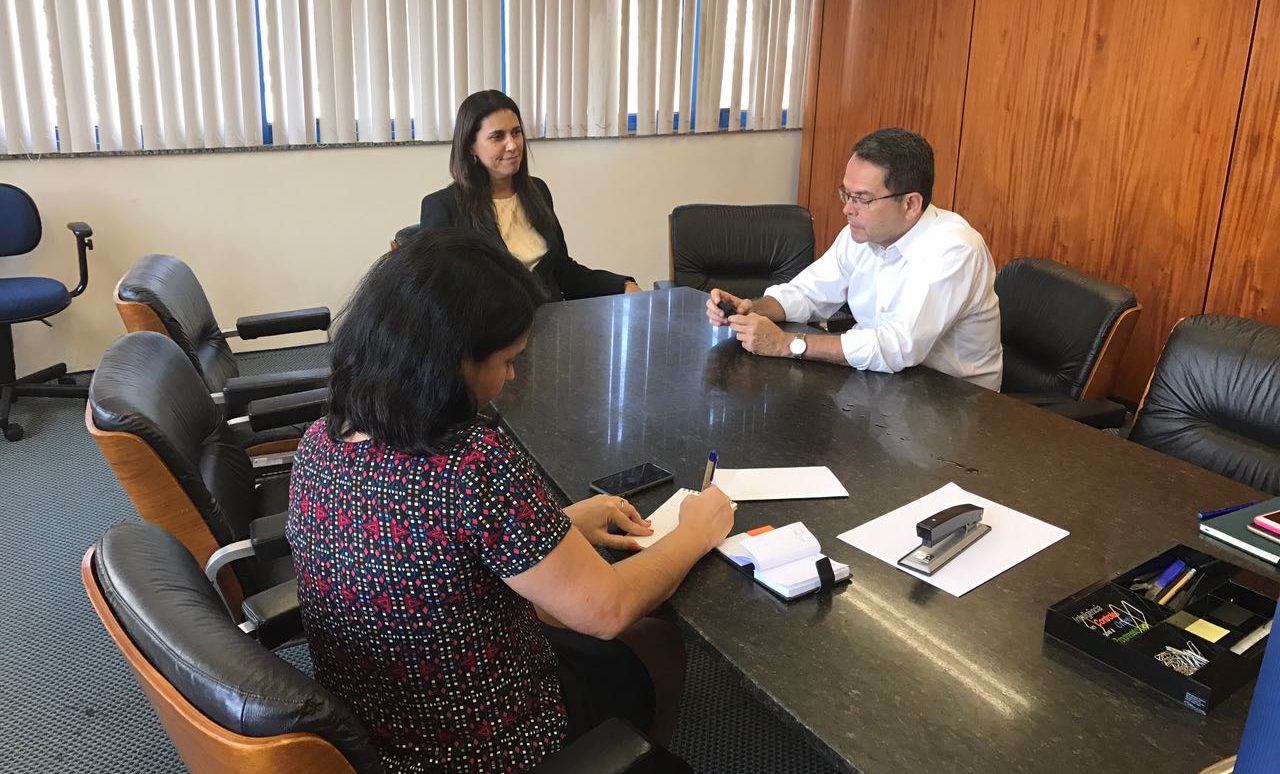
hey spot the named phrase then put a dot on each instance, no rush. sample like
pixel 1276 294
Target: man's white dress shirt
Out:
pixel 928 299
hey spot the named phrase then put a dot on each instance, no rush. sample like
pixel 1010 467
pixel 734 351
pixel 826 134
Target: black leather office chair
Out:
pixel 24 299
pixel 1064 335
pixel 160 293
pixel 169 445
pixel 741 249
pixel 1214 399
pixel 231 705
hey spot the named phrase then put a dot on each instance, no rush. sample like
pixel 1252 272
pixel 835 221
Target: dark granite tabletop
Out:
pixel 888 674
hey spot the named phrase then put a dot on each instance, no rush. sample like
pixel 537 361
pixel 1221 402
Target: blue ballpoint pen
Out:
pixel 711 469
pixel 1206 515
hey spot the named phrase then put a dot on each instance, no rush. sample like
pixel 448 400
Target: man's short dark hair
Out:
pixel 905 157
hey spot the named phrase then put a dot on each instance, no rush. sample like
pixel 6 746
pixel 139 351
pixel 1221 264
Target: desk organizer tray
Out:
pixel 1184 647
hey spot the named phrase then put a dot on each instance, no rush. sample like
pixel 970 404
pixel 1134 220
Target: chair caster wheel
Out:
pixel 13 432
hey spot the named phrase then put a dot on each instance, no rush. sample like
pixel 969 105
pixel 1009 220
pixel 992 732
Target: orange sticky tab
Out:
pixel 760 530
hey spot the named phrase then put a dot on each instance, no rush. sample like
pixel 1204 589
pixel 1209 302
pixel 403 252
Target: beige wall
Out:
pixel 278 230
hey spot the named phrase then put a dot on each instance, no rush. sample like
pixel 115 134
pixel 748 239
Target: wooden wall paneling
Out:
pixel 1098 133
pixel 812 67
pixel 1245 279
pixel 883 63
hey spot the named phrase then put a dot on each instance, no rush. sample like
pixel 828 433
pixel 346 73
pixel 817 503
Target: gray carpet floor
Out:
pixel 68 702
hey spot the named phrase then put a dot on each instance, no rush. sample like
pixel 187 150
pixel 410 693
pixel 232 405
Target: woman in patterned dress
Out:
pixel 426 545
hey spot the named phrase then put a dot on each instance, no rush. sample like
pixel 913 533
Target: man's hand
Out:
pixel 593 516
pixel 761 336
pixel 631 287
pixel 715 315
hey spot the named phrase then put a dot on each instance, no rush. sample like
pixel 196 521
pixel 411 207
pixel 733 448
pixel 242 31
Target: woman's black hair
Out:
pixel 421 311
pixel 472 178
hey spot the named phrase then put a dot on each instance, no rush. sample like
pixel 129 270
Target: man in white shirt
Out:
pixel 918 279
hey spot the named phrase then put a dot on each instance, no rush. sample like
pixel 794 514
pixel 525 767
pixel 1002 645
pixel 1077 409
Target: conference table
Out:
pixel 887 673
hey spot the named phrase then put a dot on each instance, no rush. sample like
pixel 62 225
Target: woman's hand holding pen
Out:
pixel 709 512
pixel 594 515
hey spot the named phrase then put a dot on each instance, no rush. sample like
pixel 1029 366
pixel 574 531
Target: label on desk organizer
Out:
pixel 1196 703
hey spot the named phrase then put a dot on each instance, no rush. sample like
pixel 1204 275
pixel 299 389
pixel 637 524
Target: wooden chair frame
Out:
pixel 205 746
pixel 1103 375
pixel 160 499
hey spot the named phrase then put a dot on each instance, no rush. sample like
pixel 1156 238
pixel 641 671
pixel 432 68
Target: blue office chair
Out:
pixel 23 299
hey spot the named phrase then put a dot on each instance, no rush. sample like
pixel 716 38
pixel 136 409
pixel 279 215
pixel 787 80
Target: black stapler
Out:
pixel 943 536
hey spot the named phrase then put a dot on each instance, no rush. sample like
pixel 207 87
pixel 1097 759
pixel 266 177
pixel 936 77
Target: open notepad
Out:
pixel 666 518
pixel 787 561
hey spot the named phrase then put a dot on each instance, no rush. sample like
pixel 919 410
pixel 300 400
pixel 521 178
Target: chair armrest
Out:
pixel 276 323
pixel 294 408
pixel 81 229
pixel 1094 412
pixel 266 535
pixel 664 284
pixel 239 391
pixel 613 747
pixel 274 614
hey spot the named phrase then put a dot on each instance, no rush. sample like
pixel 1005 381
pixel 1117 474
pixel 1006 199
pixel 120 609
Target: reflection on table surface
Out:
pixel 888 674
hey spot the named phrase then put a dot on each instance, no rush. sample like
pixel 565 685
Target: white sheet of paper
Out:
pixel 666 518
pixel 779 483
pixel 1014 537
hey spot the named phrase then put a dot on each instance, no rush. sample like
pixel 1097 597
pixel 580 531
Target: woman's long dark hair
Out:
pixel 472 178
pixel 422 310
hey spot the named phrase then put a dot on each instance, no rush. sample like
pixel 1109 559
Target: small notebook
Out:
pixel 1233 529
pixel 787 561
pixel 666 518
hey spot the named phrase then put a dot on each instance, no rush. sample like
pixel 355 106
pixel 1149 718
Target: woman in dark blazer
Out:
pixel 494 196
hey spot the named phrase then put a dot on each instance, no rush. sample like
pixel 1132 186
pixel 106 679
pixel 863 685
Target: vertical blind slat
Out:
pixel 18 133
pixel 428 124
pixel 624 66
pixel 474 58
pixel 104 87
pixel 686 65
pixel 739 57
pixel 379 74
pixel 344 73
pixel 229 103
pixel 646 75
pixel 564 71
pixel 210 85
pixel 398 40
pixel 39 116
pixel 57 80
pixel 459 53
pixel 598 67
pixel 250 94
pixel 71 47
pixel 799 64
pixel 550 22
pixel 444 94
pixel 327 105
pixel 668 53
pixel 188 53
pixel 518 77
pixel 581 68
pixel 492 52
pixel 536 51
pixel 126 85
pixel 306 53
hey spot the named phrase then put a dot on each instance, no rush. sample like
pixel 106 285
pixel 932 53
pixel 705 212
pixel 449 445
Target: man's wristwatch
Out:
pixel 798 346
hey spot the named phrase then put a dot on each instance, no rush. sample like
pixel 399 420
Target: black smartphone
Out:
pixel 632 480
pixel 728 307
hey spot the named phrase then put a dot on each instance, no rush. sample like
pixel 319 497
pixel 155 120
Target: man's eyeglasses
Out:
pixel 861 201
